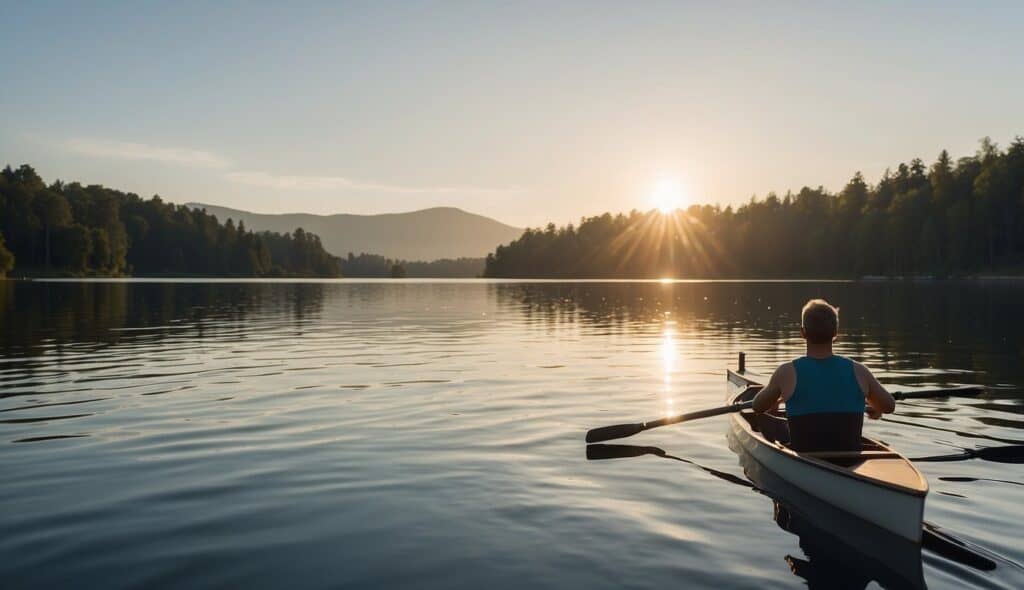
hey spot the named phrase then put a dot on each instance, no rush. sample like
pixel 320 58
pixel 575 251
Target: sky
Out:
pixel 527 112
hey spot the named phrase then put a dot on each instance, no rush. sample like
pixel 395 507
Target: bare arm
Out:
pixel 770 394
pixel 879 400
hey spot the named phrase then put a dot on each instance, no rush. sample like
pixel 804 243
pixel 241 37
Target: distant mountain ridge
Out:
pixel 427 234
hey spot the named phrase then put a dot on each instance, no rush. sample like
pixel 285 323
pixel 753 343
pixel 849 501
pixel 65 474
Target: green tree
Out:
pixel 53 211
pixel 6 259
pixel 72 247
pixel 102 257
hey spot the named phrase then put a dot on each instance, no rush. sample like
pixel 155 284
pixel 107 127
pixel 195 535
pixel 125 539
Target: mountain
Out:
pixel 429 234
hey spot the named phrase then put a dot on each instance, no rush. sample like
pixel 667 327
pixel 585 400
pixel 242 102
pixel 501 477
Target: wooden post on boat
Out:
pixel 743 362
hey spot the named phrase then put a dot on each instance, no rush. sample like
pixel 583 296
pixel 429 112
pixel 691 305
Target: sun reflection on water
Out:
pixel 669 354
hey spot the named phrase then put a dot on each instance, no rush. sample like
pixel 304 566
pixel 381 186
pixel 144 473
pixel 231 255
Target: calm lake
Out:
pixel 430 434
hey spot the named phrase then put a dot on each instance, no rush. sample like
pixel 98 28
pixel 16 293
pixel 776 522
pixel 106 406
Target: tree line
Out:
pixel 71 229
pixel 376 266
pixel 948 219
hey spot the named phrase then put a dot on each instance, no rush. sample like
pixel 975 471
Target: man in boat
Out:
pixel 826 395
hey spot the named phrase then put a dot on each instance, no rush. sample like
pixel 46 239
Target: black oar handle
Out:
pixel 623 430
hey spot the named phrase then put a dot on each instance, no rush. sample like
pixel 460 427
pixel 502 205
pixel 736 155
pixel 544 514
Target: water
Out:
pixel 430 435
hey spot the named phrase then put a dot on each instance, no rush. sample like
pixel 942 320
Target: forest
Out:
pixel 75 230
pixel 948 219
pixel 376 266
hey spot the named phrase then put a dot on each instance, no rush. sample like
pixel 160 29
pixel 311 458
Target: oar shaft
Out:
pixel 698 414
pixel 623 430
pixel 936 458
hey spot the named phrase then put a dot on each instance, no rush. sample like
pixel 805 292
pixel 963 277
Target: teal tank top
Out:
pixel 825 386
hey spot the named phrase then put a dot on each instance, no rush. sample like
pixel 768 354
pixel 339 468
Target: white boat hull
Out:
pixel 885 506
pixel 892 510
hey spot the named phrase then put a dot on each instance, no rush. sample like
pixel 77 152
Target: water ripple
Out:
pixel 423 434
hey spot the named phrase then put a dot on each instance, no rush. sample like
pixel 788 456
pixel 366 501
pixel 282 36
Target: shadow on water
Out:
pixel 599 452
pixel 839 550
pixel 1010 454
pixel 960 432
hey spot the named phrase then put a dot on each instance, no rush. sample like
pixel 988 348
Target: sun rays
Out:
pixel 667 196
pixel 669 353
pixel 669 245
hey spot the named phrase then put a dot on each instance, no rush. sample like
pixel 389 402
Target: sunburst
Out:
pixel 667 196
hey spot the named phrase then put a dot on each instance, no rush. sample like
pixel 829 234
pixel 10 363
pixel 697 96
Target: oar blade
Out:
pixel 613 432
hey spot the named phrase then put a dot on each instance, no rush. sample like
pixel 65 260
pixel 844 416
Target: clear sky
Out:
pixel 523 111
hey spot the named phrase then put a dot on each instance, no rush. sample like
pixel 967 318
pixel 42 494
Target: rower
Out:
pixel 826 395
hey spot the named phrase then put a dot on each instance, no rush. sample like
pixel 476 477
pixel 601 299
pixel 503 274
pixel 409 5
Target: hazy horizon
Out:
pixel 287 212
pixel 526 114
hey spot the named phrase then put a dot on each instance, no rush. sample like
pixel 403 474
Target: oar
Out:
pixel 1005 454
pixel 960 390
pixel 623 430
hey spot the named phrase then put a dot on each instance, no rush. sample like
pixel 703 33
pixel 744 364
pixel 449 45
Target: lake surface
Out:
pixel 430 434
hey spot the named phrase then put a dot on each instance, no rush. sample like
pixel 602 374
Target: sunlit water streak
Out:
pixel 315 434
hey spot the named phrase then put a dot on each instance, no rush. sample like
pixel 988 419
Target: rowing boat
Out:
pixel 876 483
pixel 839 550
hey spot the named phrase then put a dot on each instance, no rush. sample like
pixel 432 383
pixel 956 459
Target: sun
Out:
pixel 667 196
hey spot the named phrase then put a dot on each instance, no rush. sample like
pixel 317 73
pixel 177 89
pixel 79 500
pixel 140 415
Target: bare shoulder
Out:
pixel 866 379
pixel 861 369
pixel 775 389
pixel 785 371
pixel 784 378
